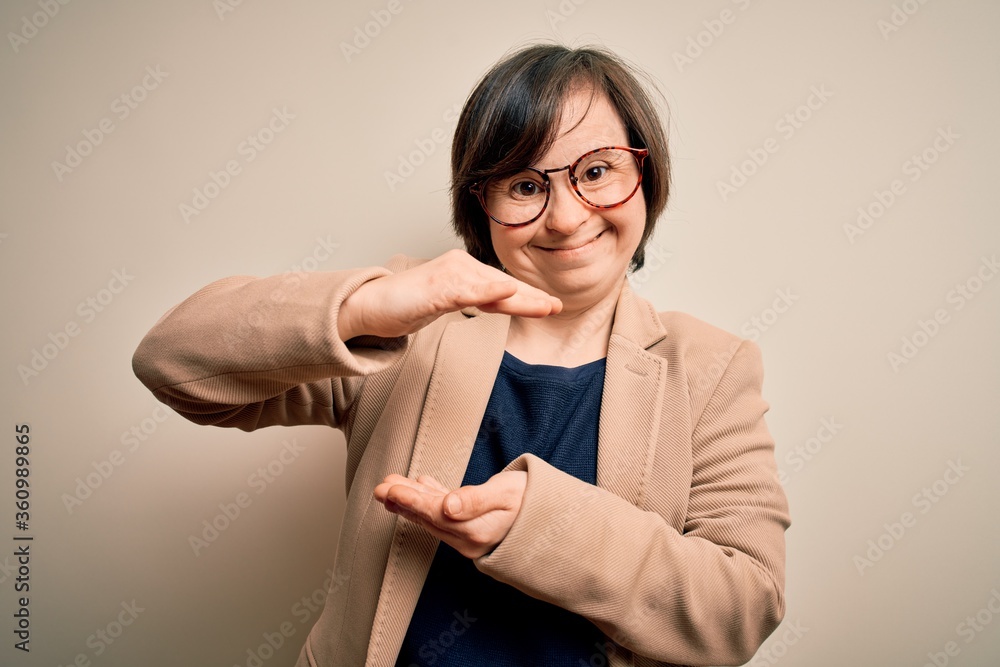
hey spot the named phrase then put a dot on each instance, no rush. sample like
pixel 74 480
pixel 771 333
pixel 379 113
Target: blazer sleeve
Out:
pixel 251 352
pixel 707 595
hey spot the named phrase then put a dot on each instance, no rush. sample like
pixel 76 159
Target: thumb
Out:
pixel 469 502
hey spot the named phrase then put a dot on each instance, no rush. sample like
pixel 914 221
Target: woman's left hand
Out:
pixel 472 519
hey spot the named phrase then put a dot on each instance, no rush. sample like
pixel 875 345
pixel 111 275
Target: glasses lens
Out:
pixel 515 199
pixel 608 177
pixel 605 178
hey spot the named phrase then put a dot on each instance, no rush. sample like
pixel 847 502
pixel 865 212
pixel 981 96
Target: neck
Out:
pixel 573 337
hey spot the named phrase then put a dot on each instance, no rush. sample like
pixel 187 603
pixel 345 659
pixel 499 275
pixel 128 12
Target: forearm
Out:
pixel 269 346
pixel 660 594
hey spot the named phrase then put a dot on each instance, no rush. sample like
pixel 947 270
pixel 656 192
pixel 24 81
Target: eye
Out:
pixel 521 186
pixel 594 172
pixel 524 188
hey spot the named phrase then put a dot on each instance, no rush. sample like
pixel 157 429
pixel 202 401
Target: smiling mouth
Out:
pixel 567 249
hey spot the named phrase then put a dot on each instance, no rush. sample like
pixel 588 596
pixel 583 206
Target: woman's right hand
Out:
pixel 405 302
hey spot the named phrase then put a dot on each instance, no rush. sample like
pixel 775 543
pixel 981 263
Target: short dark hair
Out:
pixel 511 118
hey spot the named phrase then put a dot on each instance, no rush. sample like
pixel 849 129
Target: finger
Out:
pixel 429 481
pixel 381 490
pixel 395 479
pixel 524 305
pixel 503 491
pixel 470 502
pixel 424 506
pixel 465 537
pixel 530 293
pixel 508 296
pixel 446 535
pixel 407 481
pixel 398 509
pixel 536 301
pixel 470 538
pixel 488 286
pixel 488 290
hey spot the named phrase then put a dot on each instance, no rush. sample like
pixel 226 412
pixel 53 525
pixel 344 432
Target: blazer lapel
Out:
pixel 634 384
pixel 461 382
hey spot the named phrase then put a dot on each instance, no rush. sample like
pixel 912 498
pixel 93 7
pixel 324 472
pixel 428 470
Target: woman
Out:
pixel 541 469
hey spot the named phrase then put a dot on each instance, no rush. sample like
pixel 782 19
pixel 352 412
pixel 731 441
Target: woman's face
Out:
pixel 575 251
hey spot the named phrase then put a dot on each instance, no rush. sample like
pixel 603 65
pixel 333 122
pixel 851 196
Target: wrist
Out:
pixel 349 321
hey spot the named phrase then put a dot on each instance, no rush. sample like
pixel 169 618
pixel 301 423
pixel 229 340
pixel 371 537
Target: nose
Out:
pixel 566 211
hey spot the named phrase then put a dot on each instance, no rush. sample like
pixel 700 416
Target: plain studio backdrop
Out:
pixel 833 199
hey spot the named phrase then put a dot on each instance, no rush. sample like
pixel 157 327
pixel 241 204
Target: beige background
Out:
pixel 317 197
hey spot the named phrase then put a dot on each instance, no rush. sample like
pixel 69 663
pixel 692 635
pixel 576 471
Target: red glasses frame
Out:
pixel 638 153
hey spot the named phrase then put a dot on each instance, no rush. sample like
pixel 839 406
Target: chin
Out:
pixel 585 285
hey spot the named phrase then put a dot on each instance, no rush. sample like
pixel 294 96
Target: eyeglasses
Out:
pixel 604 178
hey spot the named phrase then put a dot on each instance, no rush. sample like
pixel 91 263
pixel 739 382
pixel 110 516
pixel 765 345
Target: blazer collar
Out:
pixel 634 384
pixel 636 319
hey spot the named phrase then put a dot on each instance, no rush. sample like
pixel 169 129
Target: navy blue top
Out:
pixel 466 618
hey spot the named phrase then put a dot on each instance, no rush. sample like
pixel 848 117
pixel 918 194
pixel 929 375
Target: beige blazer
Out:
pixel 677 554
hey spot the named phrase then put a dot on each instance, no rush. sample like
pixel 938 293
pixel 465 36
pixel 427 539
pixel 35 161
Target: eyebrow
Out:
pixel 589 150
